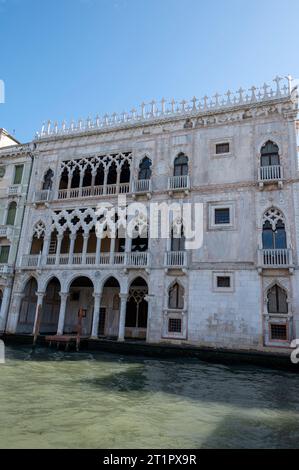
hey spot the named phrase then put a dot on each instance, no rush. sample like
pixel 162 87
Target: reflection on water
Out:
pixel 53 399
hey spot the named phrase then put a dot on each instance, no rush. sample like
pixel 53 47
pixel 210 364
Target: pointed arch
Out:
pixel 273 229
pixel 51 306
pixel 269 154
pixel 48 179
pixel 180 165
pixel 145 171
pixel 277 299
pixel 137 309
pixel 37 243
pixel 176 294
pixel 28 306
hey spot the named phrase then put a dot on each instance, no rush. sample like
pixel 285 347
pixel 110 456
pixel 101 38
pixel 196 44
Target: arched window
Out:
pixel 76 178
pixel 277 300
pixel 38 238
pixel 99 179
pixel 48 179
pixel 176 297
pixel 181 165
pixel 178 241
pixel 269 154
pixel 125 172
pixel 145 171
pixel 274 234
pixel 11 213
pixel 87 176
pixel 64 179
pixel 112 174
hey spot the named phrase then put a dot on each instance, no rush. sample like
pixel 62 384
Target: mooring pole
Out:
pixel 37 324
pixel 79 329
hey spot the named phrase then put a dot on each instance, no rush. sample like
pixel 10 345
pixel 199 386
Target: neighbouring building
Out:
pixel 236 154
pixel 15 165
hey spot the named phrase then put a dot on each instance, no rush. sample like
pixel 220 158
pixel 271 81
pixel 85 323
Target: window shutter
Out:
pixel 4 253
pixel 18 174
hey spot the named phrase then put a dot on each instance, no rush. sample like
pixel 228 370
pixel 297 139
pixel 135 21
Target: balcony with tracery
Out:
pixel 274 252
pixel 87 177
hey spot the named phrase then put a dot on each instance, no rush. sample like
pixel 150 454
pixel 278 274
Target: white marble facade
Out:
pixel 239 290
pixel 15 165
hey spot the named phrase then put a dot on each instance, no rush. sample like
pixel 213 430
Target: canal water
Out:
pixel 51 399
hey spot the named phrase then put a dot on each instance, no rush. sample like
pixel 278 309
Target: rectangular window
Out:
pixel 223 281
pixel 18 174
pixel 278 332
pixel 222 148
pixel 222 216
pixel 4 253
pixel 174 325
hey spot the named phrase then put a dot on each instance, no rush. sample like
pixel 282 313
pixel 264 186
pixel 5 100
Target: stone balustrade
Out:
pixel 175 259
pixel 133 259
pixel 6 269
pixel 14 190
pixel 92 191
pixel 275 258
pixel 5 231
pixel 43 195
pixel 142 186
pixel 178 183
pixel 270 173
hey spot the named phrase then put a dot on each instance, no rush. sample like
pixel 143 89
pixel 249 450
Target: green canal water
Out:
pixel 52 399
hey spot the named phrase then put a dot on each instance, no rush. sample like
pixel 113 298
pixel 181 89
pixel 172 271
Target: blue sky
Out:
pixel 64 59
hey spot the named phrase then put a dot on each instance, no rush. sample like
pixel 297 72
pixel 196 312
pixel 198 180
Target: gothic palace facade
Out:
pixel 236 154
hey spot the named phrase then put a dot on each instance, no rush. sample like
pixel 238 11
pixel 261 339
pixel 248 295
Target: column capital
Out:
pixel 97 295
pixel 64 295
pixel 20 295
pixel 72 236
pixel 123 296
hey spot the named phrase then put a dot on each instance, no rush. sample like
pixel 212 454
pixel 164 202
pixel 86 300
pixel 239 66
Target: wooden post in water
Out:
pixel 79 328
pixel 37 324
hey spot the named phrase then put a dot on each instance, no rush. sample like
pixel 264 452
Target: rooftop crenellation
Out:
pixel 281 87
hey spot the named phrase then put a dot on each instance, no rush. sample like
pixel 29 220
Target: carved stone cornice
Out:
pixel 203 118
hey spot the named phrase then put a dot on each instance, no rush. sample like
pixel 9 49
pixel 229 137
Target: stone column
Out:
pixel 149 299
pixel 62 312
pixel 5 214
pixel 98 250
pixel 117 180
pixel 69 181
pixel 93 177
pixel 14 312
pixel 128 247
pixel 37 319
pixel 105 181
pixel 81 182
pixel 46 250
pixel 4 307
pixel 112 249
pixel 122 316
pixel 72 245
pixel 58 248
pixel 84 249
pixel 96 315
